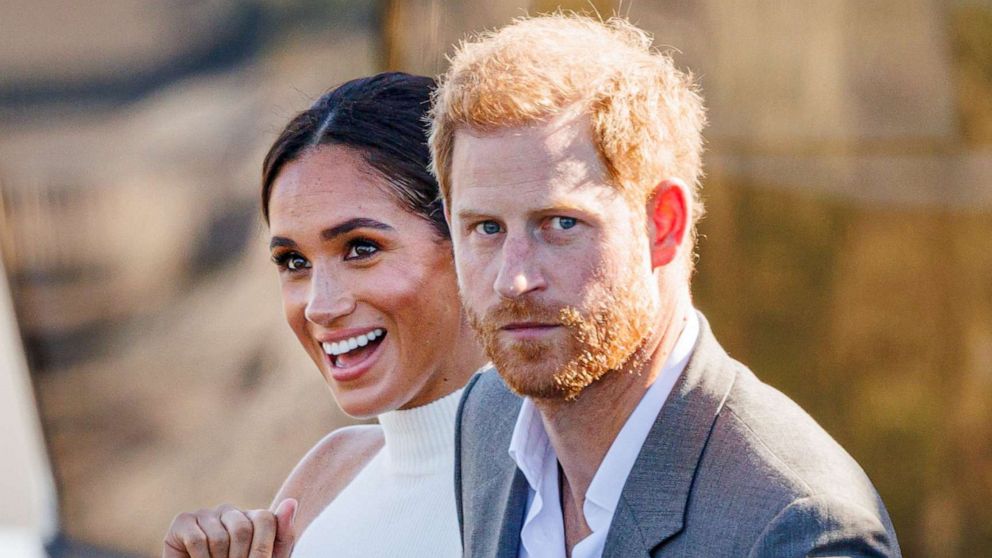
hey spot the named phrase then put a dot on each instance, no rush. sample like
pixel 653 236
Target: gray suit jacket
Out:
pixel 730 468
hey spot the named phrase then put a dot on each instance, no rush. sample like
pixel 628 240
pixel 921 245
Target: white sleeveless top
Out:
pixel 402 503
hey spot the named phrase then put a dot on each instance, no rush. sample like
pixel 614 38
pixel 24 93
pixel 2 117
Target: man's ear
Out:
pixel 668 218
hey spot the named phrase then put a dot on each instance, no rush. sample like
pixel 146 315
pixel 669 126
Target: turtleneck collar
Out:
pixel 421 440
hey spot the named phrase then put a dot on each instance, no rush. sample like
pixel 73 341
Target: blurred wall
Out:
pixel 129 165
pixel 846 255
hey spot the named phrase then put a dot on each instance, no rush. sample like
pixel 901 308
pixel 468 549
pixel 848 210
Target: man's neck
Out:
pixel 582 430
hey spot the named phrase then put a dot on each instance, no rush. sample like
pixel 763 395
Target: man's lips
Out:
pixel 528 325
pixel 528 330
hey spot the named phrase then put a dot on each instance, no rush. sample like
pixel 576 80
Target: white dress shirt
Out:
pixel 543 531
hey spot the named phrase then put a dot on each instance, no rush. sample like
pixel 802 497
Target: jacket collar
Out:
pixel 515 496
pixel 653 502
pixel 502 497
pixel 654 499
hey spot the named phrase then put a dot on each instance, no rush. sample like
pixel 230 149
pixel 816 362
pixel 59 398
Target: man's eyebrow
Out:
pixel 552 207
pixel 565 205
pixel 352 224
pixel 281 241
pixel 471 215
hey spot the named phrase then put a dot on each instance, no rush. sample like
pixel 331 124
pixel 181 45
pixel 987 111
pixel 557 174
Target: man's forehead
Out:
pixel 555 134
pixel 530 195
pixel 540 156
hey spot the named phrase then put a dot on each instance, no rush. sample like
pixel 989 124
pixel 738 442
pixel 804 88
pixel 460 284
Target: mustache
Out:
pixel 515 310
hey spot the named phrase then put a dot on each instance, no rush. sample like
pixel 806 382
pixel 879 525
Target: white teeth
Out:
pixel 347 345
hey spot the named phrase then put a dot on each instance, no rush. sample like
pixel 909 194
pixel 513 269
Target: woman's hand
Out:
pixel 227 532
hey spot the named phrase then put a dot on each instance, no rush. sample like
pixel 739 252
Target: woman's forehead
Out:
pixel 331 172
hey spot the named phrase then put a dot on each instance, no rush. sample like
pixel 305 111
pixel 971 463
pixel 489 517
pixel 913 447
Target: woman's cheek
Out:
pixel 400 286
pixel 294 304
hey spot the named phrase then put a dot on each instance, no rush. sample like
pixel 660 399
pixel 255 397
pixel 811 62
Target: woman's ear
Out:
pixel 668 214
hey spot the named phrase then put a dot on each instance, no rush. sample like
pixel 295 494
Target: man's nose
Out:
pixel 519 272
pixel 329 299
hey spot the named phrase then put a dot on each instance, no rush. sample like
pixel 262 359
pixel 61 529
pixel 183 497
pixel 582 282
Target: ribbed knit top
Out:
pixel 402 503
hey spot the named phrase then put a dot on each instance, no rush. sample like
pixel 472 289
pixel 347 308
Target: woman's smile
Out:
pixel 349 358
pixel 368 287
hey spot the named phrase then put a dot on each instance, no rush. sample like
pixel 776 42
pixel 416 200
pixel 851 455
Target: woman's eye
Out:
pixel 488 228
pixel 291 262
pixel 361 249
pixel 297 263
pixel 563 223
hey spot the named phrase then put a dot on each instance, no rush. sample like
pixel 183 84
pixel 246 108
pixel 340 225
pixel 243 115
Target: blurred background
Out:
pixel 846 256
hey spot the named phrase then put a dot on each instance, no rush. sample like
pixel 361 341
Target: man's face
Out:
pixel 553 263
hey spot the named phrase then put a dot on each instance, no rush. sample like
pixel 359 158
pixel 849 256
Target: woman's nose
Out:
pixel 330 299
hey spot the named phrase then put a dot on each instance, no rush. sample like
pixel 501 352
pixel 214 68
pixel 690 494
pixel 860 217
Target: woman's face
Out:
pixel 367 286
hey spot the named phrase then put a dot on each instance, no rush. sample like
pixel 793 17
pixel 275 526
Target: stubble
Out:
pixel 606 334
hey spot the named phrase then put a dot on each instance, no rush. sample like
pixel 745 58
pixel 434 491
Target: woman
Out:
pixel 368 286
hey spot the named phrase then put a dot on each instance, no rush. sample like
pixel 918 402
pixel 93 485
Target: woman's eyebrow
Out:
pixel 352 224
pixel 281 241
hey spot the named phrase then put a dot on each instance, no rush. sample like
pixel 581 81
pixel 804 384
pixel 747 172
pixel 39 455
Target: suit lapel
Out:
pixel 653 502
pixel 624 539
pixel 515 496
pixel 499 499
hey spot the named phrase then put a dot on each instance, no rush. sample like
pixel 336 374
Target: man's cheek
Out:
pixel 468 289
pixel 471 274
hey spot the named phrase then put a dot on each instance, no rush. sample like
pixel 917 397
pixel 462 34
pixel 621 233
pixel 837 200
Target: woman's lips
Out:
pixel 349 343
pixel 348 362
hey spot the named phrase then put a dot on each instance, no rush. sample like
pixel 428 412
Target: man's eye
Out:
pixel 361 249
pixel 563 223
pixel 489 228
pixel 291 261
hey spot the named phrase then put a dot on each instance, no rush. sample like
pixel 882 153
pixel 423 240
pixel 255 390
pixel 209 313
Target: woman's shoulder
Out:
pixel 327 468
pixel 344 447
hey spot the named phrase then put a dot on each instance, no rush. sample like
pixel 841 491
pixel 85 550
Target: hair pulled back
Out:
pixel 383 117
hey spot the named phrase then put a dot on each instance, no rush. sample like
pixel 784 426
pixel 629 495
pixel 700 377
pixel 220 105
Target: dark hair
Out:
pixel 384 118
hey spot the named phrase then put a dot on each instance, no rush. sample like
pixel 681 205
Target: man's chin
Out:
pixel 550 377
pixel 529 371
pixel 548 381
pixel 529 385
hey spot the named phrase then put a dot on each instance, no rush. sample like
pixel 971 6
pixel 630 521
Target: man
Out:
pixel 568 154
